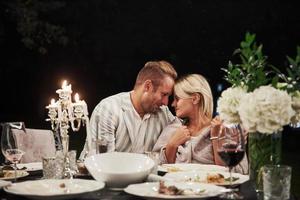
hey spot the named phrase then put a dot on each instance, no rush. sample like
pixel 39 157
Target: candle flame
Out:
pixel 52 101
pixel 76 97
pixel 64 85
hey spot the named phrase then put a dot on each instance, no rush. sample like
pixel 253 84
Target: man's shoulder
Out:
pixel 116 98
pixel 113 101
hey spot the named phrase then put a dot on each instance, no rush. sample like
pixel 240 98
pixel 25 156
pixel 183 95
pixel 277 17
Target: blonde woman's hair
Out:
pixel 190 84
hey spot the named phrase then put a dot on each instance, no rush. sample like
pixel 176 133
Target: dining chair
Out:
pixel 36 143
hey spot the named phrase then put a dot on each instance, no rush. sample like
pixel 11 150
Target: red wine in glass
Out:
pixel 231 155
pixel 231 150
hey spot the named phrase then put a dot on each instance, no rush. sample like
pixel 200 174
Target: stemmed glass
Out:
pixel 231 149
pixel 9 147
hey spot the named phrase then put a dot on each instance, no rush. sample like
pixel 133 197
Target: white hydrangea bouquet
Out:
pixel 255 99
pixel 229 102
pixel 259 103
pixel 266 110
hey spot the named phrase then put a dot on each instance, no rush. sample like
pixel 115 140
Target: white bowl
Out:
pixel 119 169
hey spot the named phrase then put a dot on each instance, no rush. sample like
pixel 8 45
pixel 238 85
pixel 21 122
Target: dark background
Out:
pixel 105 42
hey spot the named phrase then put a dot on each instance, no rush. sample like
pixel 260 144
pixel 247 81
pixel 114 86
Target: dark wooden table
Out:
pixel 246 190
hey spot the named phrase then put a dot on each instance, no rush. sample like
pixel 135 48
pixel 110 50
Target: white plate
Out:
pixel 35 166
pixel 200 176
pixel 54 188
pixel 4 183
pixel 20 174
pixel 190 167
pixel 150 190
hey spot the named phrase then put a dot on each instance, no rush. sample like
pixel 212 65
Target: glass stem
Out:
pixel 230 177
pixel 15 168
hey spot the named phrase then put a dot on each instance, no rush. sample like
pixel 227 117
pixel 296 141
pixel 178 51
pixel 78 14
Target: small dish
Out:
pixel 35 166
pixel 10 174
pixel 54 189
pixel 178 167
pixel 150 190
pixel 201 177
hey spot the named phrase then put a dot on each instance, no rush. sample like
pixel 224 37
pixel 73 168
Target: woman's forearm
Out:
pixel 217 158
pixel 170 153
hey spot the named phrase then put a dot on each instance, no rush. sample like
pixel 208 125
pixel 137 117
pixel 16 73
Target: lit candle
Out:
pixel 64 84
pixel 52 104
pixel 66 87
pixel 76 97
pixel 78 102
pixel 65 91
pixel 78 105
pixel 81 103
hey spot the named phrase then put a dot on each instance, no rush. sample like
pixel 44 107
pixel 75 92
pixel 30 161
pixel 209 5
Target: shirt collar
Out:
pixel 128 106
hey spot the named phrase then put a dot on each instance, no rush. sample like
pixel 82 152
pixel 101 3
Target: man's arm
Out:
pixel 102 121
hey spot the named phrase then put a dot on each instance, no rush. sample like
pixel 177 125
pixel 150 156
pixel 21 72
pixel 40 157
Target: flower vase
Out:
pixel 263 149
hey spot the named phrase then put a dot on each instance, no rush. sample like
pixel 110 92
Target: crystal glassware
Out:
pixel 231 149
pixel 10 147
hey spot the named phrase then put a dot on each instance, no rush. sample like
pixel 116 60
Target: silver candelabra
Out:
pixel 63 113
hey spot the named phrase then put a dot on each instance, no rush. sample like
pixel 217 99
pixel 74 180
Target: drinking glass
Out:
pixel 104 143
pixel 101 145
pixel 155 157
pixel 277 182
pixel 231 149
pixel 9 146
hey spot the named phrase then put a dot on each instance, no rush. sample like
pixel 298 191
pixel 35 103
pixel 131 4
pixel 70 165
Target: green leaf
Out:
pixel 250 69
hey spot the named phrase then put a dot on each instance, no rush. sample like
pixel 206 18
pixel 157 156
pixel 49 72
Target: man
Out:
pixel 135 119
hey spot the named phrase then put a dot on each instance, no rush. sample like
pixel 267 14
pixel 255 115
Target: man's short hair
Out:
pixel 155 71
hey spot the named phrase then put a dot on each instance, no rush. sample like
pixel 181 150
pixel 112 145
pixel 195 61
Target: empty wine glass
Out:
pixel 9 145
pixel 231 149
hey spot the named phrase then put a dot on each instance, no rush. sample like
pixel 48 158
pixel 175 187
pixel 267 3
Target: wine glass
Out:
pixel 231 149
pixel 9 146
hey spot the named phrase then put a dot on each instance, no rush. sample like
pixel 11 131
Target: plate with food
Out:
pixel 10 174
pixel 209 177
pixel 174 190
pixel 54 188
pixel 34 166
pixel 178 167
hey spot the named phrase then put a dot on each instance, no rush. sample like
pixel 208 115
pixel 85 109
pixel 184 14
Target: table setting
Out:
pixel 129 181
pixel 105 184
pixel 114 175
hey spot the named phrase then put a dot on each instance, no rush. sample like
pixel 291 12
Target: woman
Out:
pixel 194 141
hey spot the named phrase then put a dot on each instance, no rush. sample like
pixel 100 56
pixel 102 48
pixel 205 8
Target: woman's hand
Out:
pixel 215 126
pixel 181 135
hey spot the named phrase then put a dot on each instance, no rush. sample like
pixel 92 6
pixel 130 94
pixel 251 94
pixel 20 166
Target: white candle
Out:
pixel 76 97
pixel 52 104
pixel 64 84
pixel 78 102
pixel 65 87
pixel 65 91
